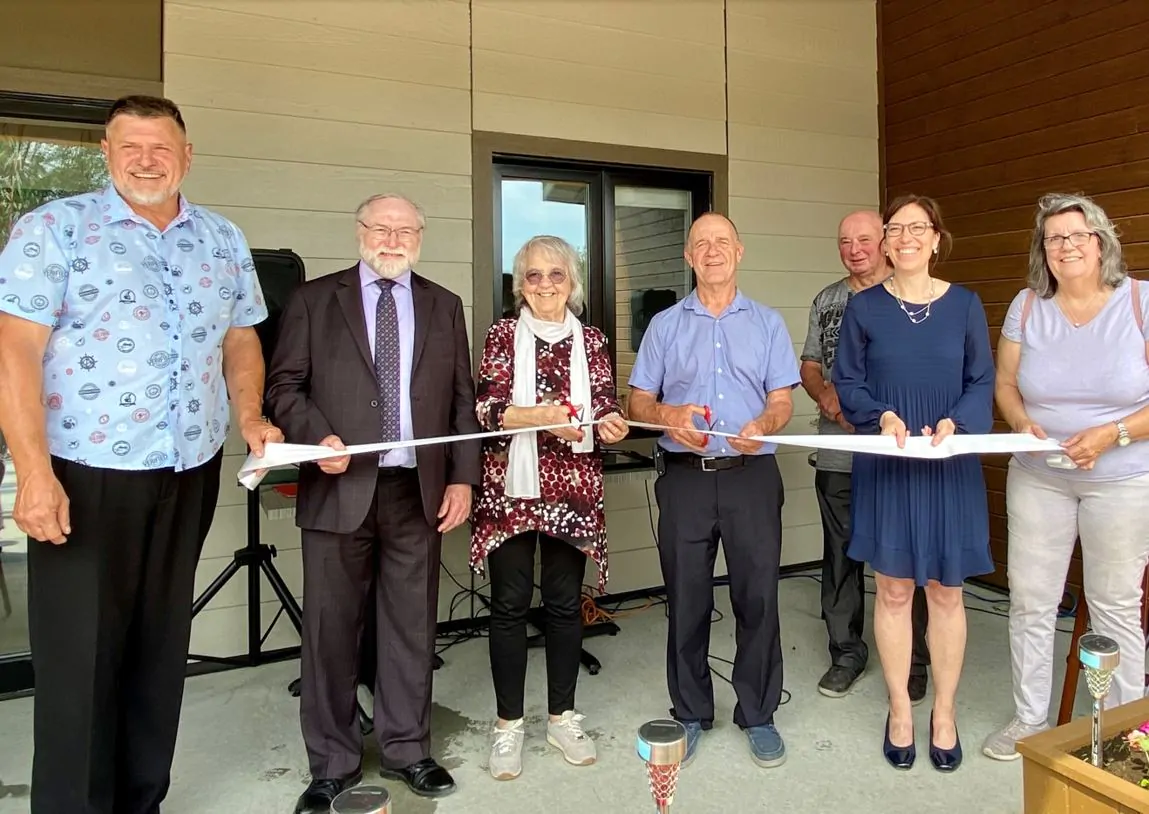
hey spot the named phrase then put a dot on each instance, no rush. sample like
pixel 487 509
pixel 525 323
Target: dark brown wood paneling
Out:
pixel 987 106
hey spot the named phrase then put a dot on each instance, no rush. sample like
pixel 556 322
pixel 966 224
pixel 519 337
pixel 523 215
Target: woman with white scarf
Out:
pixel 543 488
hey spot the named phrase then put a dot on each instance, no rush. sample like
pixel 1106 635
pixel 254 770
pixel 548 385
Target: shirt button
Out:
pixel 374 403
pixel 719 370
pixel 717 344
pixel 721 423
pixel 724 449
pixel 721 396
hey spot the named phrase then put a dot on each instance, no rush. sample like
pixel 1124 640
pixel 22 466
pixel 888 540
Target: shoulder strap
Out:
pixel 1029 295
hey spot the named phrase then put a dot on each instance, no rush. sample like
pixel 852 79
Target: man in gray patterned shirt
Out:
pixel 843 594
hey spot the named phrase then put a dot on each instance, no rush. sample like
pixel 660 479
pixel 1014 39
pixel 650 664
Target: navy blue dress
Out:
pixel 917 519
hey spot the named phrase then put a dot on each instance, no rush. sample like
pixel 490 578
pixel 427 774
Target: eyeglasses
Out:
pixel 1074 238
pixel 917 229
pixel 383 232
pixel 556 277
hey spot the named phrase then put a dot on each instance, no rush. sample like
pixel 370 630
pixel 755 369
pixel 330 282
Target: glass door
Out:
pixel 38 163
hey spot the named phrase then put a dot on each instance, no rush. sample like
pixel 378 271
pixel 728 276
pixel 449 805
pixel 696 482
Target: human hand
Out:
pixel 558 413
pixel 455 508
pixel 892 425
pixel 1031 428
pixel 828 403
pixel 844 424
pixel 334 466
pixel 612 429
pixel 945 429
pixel 681 418
pixel 259 431
pixel 746 447
pixel 1086 446
pixel 41 509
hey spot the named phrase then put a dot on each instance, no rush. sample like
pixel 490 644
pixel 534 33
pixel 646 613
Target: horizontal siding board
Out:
pixel 853 16
pixel 795 112
pixel 682 21
pixel 765 72
pixel 799 43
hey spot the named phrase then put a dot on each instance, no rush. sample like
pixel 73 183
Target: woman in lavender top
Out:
pixel 1071 365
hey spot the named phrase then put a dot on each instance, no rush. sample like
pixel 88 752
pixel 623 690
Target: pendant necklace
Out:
pixel 922 314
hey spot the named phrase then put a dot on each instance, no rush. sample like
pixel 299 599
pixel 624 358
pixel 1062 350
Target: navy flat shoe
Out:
pixel 900 757
pixel 945 760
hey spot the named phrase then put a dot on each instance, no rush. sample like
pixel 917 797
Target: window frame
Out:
pixel 615 165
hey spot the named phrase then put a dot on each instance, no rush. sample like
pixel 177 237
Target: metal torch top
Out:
pixel 662 742
pixel 1097 652
pixel 362 800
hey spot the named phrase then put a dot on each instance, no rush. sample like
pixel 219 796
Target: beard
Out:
pixel 143 193
pixel 389 267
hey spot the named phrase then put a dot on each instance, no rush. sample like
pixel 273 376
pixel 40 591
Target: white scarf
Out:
pixel 523 460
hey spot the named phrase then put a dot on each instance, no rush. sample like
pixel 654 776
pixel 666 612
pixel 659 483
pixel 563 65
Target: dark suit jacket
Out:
pixel 322 382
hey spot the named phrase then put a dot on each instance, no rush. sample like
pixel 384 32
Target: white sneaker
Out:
pixel 1002 745
pixel 567 735
pixel 506 761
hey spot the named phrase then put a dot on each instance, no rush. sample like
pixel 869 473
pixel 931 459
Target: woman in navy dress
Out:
pixel 914 358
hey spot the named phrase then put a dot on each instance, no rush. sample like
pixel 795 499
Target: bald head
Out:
pixel 713 249
pixel 859 243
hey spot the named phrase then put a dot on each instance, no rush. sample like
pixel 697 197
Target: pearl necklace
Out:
pixel 923 312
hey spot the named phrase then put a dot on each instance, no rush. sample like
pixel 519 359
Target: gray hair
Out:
pixel 557 250
pixel 1113 271
pixel 392 196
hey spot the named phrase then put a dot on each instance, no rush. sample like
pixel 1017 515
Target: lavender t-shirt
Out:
pixel 1072 379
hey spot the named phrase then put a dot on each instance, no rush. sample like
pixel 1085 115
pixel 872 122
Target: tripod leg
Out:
pixel 290 606
pixel 230 571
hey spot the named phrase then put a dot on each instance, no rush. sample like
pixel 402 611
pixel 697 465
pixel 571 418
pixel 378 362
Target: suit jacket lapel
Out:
pixel 424 303
pixel 351 301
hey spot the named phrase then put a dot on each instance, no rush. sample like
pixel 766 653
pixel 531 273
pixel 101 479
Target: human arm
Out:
pixel 646 378
pixel 41 509
pixel 973 412
pixel 603 394
pixel 243 373
pixel 288 402
pixel 850 375
pixel 810 371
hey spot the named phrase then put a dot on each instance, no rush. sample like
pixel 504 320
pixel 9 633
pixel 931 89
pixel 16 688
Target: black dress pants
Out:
pixel 742 507
pixel 109 614
pixel 843 583
pixel 512 567
pixel 388 569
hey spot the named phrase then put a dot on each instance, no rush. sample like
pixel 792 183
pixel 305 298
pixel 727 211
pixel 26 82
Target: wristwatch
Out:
pixel 1123 438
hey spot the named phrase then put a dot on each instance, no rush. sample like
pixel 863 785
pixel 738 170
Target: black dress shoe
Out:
pixel 837 681
pixel 900 757
pixel 317 799
pixel 917 688
pixel 945 760
pixel 425 778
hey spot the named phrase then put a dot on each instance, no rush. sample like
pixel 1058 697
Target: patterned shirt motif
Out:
pixel 570 505
pixel 822 346
pixel 133 375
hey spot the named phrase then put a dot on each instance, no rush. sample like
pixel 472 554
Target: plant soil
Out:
pixel 1120 760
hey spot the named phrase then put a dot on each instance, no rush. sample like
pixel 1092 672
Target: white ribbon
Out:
pixel 916 446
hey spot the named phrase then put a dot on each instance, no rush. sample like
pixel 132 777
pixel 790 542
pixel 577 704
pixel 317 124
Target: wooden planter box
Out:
pixel 1056 782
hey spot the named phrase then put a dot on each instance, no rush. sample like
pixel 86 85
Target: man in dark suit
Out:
pixel 375 352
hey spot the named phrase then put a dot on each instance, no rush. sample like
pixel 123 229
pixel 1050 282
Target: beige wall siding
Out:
pixel 649 74
pixel 300 108
pixel 803 153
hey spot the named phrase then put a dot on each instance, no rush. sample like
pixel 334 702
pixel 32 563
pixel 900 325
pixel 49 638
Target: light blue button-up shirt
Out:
pixel 133 374
pixel 728 363
pixel 405 313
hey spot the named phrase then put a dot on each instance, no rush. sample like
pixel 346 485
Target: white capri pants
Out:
pixel 1046 515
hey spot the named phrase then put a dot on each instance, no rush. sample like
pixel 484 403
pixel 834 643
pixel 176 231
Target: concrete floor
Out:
pixel 240 750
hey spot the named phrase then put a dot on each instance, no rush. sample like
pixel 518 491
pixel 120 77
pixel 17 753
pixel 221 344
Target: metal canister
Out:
pixel 362 800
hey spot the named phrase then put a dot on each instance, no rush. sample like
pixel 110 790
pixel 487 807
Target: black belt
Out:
pixel 707 464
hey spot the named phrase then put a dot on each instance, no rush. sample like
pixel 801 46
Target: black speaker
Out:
pixel 280 273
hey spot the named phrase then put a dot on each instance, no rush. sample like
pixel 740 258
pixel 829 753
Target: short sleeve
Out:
pixel 247 283
pixel 34 271
pixel 650 365
pixel 782 366
pixel 812 347
pixel 1143 295
pixel 1011 325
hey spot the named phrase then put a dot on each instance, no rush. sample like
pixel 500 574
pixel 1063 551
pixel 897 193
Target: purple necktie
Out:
pixel 387 361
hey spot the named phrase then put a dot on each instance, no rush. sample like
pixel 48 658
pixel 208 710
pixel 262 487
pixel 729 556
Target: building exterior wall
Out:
pixel 988 107
pixel 301 108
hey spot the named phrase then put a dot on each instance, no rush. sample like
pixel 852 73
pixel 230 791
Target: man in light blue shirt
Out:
pixel 719 361
pixel 126 328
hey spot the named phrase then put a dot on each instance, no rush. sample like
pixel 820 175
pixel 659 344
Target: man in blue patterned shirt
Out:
pixel 126 327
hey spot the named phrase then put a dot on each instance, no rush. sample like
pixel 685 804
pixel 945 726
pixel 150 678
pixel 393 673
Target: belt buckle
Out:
pixel 706 461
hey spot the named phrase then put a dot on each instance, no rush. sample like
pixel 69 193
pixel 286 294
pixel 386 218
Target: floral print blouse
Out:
pixel 570 504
